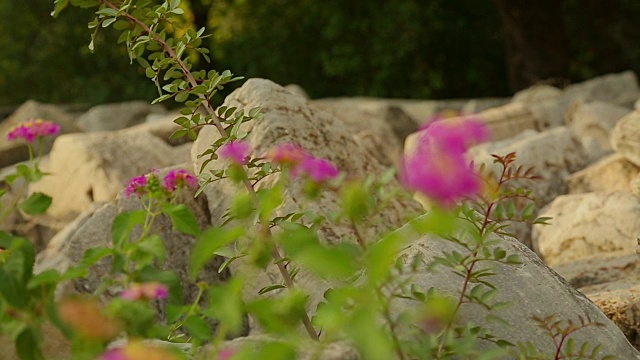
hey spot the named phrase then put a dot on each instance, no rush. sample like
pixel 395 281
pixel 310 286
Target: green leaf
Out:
pixel 36 204
pixel 226 304
pixel 12 290
pixel 27 346
pixel 60 5
pixel 511 209
pixel 270 288
pixel 155 246
pixel 123 224
pixel 47 277
pixel 208 242
pixel 20 264
pixel 182 219
pixel 182 96
pixel 356 200
pixel 527 212
pixel 198 328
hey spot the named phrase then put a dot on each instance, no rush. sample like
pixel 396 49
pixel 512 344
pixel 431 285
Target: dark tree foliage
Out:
pixel 48 59
pixel 408 48
pixel 411 48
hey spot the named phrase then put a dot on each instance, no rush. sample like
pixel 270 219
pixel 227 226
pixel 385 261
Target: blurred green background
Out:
pixel 402 49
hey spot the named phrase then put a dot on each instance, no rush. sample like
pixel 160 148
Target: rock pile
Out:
pixel 566 135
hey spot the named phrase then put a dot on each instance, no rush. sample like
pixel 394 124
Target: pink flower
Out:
pixel 114 354
pixel 226 354
pixel 178 178
pixel 318 170
pixel 146 291
pixel 32 129
pixel 137 185
pixel 438 168
pixel 287 154
pixel 236 151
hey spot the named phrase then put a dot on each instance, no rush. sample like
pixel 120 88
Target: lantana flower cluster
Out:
pixel 32 129
pixel 294 157
pixel 437 167
pixel 150 183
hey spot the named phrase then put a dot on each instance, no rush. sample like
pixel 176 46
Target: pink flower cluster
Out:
pixel 236 151
pixel 32 129
pixel 175 179
pixel 145 291
pixel 302 163
pixel 438 167
pixel 179 178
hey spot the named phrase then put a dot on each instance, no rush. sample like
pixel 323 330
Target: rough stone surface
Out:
pixel 162 126
pixel 95 167
pixel 553 154
pixel 372 124
pixel 595 119
pixel 625 137
pixel 593 271
pixel 612 173
pixel 532 288
pixel 536 93
pixel 619 301
pixel 308 351
pixel 117 116
pixel 618 89
pixel 297 90
pixel 550 104
pixel 93 229
pixel 290 118
pixel 509 120
pixel 12 152
pixel 588 225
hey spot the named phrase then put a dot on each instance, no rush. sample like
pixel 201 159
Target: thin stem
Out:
pixel 247 184
pixel 387 316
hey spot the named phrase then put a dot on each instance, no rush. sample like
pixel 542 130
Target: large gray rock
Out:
pixel 533 290
pixel 291 119
pixel 588 226
pixel 95 167
pixel 553 154
pixel 373 126
pixel 625 137
pixel 92 229
pixel 117 116
pixel 12 152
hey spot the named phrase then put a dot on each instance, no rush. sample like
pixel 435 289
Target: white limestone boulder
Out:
pixel 588 225
pixel 625 137
pixel 595 119
pixel 95 167
pixel 612 173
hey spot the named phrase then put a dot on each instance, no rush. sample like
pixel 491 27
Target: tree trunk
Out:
pixel 536 43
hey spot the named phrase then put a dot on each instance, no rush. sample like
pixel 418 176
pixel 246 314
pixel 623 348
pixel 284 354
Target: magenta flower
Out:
pixel 226 354
pixel 236 151
pixel 318 170
pixel 179 178
pixel 287 154
pixel 32 129
pixel 137 185
pixel 438 167
pixel 114 354
pixel 146 291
